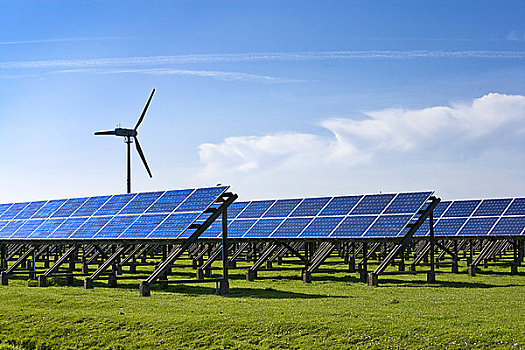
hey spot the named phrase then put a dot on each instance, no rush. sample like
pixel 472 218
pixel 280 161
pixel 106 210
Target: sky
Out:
pixel 277 99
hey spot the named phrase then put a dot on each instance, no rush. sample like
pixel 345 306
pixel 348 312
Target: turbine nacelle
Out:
pixel 132 133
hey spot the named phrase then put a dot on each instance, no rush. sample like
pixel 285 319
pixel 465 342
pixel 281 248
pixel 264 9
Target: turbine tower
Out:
pixel 130 136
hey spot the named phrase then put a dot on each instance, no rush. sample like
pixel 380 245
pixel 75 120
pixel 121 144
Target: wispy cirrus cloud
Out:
pixel 219 75
pixel 481 125
pixel 253 57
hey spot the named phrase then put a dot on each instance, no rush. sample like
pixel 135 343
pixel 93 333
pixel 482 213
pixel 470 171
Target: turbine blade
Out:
pixel 144 110
pixel 141 154
pixel 109 132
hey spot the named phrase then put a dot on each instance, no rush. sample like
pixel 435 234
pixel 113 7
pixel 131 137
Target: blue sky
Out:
pixel 275 98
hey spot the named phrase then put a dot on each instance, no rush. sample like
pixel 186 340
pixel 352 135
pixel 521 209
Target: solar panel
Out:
pixel 310 206
pixel 517 207
pixel 373 204
pixel 90 206
pixel 322 226
pixel 510 226
pixel 166 214
pixel 169 201
pixel 291 226
pixel 282 208
pixel 174 223
pixel 263 228
pixel 48 209
pixel 47 228
pixel 461 208
pixel 388 226
pixel 323 217
pixel 489 207
pixel 143 226
pixel 448 226
pixel 407 203
pixel 30 210
pixel 27 228
pixel 13 211
pixel 68 207
pixel 68 226
pixel 255 209
pixel 340 205
pixel 495 216
pixel 353 226
pixel 114 204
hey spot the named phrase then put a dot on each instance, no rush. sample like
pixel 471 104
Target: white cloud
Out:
pixel 259 57
pixel 467 128
pixel 219 75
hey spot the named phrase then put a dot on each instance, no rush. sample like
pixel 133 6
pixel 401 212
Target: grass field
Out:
pixel 276 311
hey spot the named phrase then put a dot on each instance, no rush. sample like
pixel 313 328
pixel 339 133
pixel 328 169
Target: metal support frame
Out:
pixel 373 279
pixel 227 199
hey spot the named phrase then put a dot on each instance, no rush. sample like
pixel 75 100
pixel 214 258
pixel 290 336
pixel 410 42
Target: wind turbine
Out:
pixel 128 134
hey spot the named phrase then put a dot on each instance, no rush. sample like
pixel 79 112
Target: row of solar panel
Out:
pixel 479 207
pixel 504 216
pixel 166 215
pixel 372 204
pixel 375 215
pixel 122 204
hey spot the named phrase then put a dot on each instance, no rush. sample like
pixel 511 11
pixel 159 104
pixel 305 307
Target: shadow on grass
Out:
pixel 388 282
pixel 236 292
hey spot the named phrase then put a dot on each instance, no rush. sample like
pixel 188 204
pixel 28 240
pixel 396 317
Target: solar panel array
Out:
pixel 149 215
pixel 480 217
pixel 372 215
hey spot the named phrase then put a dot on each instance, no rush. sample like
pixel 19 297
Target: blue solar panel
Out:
pixel 27 228
pixel 235 208
pixel 405 203
pixel 115 204
pixel 169 201
pixel 282 208
pixel 388 226
pixel 48 209
pixel 213 231
pixel 372 204
pixel 461 208
pixel 47 228
pixel 478 226
pixel 143 226
pixel 517 207
pixel 440 208
pixel 115 226
pixel 10 228
pixel 140 203
pixel 322 226
pixel 448 227
pixel 3 223
pixel 263 228
pixel 353 226
pixel 90 227
pixel 239 227
pixel 3 208
pixel 201 199
pixel 310 206
pixel 291 227
pixel 91 206
pixel 340 205
pixel 491 207
pixel 67 228
pixel 173 225
pixel 255 209
pixel 68 207
pixel 509 226
pixel 13 211
pixel 30 210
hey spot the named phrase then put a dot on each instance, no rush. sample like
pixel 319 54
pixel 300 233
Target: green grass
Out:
pixel 277 311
